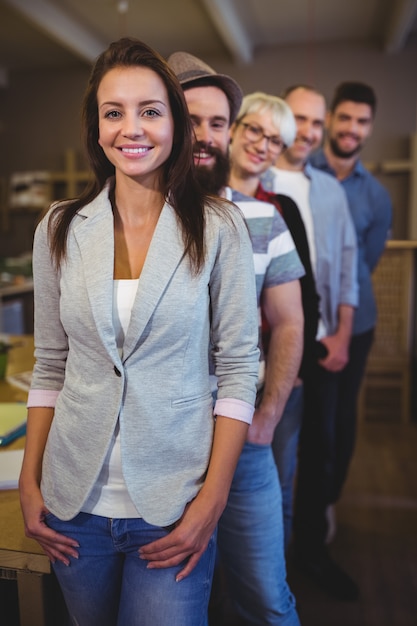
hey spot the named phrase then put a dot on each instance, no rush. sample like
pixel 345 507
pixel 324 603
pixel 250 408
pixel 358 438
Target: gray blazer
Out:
pixel 159 389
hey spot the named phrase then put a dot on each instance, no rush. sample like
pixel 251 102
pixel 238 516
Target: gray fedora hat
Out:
pixel 192 72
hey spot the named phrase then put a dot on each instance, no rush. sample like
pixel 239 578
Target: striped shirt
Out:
pixel 275 257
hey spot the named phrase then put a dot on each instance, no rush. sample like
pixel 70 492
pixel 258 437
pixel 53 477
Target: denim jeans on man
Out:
pixel 285 448
pixel 109 585
pixel 251 542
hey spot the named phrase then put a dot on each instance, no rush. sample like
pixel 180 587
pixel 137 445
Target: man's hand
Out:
pixel 338 344
pixel 337 353
pixel 261 431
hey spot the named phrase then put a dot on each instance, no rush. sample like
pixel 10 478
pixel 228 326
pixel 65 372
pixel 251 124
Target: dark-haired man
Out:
pixel 250 535
pixel 349 124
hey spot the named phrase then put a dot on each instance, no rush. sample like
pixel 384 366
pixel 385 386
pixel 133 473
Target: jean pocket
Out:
pixel 257 446
pixel 49 518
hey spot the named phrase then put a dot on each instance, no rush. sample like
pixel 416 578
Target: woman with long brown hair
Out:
pixel 127 467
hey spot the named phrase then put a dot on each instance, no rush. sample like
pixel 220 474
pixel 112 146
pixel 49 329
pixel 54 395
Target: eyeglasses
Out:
pixel 256 133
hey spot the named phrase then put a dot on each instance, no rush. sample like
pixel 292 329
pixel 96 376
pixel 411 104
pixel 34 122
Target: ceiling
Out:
pixel 40 34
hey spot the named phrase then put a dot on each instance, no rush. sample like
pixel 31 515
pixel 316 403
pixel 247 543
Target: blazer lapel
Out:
pixel 95 239
pixel 165 253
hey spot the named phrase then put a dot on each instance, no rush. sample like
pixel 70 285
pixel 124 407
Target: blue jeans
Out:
pixel 250 542
pixel 109 584
pixel 285 449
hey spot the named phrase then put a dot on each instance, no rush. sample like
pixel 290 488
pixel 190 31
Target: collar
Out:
pixel 359 169
pixel 263 195
pixel 319 160
pixel 308 170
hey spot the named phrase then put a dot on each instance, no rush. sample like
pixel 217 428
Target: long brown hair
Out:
pixel 180 185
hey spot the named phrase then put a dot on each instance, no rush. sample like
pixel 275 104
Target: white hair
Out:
pixel 282 116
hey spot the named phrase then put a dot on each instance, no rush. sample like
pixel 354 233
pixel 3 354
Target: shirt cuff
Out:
pixel 42 397
pixel 235 409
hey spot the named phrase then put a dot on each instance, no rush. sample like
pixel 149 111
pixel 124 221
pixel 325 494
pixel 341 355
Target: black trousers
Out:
pixel 327 442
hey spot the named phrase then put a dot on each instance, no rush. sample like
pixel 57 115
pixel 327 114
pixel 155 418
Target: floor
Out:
pixel 376 539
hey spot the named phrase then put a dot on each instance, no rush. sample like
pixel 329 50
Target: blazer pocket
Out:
pixel 190 400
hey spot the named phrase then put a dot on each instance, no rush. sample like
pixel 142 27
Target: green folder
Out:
pixel 12 421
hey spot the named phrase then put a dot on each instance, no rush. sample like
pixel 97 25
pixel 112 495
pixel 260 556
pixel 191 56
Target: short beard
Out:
pixel 213 179
pixel 343 154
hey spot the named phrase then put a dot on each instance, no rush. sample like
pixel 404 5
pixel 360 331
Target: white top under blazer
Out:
pixel 157 390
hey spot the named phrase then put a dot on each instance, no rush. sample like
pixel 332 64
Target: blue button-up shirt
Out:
pixel 335 240
pixel 371 209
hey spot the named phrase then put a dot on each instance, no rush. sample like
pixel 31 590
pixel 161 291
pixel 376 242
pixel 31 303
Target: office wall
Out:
pixel 394 78
pixel 41 114
pixel 39 121
pixel 39 111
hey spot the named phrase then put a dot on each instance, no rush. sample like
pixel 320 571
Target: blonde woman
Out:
pixel 264 127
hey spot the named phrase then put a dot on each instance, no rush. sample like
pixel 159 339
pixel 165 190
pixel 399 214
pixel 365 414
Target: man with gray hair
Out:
pixel 250 536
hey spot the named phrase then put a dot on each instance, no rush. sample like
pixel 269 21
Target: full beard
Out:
pixel 213 179
pixel 343 154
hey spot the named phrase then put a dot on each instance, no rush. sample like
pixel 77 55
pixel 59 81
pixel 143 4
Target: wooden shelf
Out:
pixel 70 176
pixel 403 166
pixel 386 389
pixel 62 184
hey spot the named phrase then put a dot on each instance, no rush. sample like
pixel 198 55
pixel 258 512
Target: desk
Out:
pixel 21 558
pixel 22 293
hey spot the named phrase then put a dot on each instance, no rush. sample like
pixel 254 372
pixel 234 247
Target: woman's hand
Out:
pixel 188 540
pixel 56 546
pixel 192 533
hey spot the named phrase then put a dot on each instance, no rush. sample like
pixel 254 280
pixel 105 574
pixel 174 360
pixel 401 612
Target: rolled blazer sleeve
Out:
pixel 51 345
pixel 234 324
